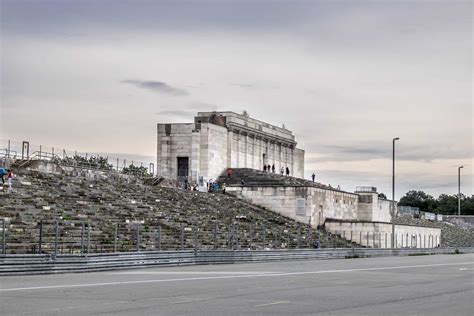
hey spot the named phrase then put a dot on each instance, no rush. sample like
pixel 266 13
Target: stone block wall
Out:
pixel 373 209
pixel 174 140
pixel 301 203
pixel 379 235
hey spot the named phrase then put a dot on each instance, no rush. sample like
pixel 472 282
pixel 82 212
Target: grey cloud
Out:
pixel 157 86
pixel 243 85
pixel 377 150
pixel 181 113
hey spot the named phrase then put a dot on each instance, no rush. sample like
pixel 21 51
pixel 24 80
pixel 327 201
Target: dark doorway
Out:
pixel 183 167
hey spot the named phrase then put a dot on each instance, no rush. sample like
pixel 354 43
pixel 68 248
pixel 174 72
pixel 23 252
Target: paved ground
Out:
pixel 427 285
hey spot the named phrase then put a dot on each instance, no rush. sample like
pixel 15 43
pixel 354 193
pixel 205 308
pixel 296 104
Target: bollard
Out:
pixel 40 242
pixel 115 237
pixel 56 239
pixel 159 238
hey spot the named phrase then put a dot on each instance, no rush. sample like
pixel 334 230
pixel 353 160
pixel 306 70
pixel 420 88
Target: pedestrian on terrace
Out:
pixel 287 171
pixel 9 178
pixel 282 170
pixel 264 168
pixel 313 176
pixel 273 168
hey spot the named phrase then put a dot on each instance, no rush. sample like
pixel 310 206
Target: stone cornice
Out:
pixel 240 129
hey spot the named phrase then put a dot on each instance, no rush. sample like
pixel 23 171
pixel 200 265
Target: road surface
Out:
pixel 421 285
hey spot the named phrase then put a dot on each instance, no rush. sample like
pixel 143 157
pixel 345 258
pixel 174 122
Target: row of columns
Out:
pixel 246 151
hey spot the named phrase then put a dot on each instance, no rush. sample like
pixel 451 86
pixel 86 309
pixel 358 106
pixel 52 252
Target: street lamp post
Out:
pixel 394 211
pixel 459 190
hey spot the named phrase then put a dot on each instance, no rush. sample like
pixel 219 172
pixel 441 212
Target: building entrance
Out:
pixel 183 167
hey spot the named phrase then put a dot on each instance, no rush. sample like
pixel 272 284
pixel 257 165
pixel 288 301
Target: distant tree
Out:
pixel 135 170
pixel 448 204
pixel 425 202
pixel 382 196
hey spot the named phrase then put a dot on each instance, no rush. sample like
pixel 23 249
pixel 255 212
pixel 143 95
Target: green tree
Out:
pixel 425 202
pixel 137 171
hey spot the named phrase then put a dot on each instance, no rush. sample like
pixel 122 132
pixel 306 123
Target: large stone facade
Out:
pixel 220 140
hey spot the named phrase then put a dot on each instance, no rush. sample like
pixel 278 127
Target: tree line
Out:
pixel 445 204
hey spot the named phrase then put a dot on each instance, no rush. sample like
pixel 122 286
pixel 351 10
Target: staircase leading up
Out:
pixel 118 206
pixel 254 177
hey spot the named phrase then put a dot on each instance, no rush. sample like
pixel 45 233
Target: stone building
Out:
pixel 216 141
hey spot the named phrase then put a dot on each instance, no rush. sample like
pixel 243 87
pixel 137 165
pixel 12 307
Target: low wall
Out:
pixel 45 264
pixel 379 235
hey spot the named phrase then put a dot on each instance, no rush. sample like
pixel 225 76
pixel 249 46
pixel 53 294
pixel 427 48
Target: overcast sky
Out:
pixel 345 76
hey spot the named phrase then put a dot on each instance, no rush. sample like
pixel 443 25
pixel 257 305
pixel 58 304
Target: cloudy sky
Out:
pixel 345 76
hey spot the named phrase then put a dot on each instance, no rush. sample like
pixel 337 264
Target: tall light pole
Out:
pixel 459 190
pixel 394 211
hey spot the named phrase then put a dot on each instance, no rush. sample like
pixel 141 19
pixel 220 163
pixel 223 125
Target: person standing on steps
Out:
pixel 282 170
pixel 9 178
pixel 264 168
pixel 273 168
pixel 287 171
pixel 313 176
pixel 3 172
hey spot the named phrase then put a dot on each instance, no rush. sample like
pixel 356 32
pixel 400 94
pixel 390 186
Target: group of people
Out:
pixel 213 186
pixel 271 168
pixel 9 173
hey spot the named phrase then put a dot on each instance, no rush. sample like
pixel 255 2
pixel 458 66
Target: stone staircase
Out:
pixel 124 214
pixel 254 177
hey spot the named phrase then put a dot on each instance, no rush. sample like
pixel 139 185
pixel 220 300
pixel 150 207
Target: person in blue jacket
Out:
pixel 3 172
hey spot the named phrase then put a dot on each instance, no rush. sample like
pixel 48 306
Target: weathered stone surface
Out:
pixel 219 140
pixel 106 203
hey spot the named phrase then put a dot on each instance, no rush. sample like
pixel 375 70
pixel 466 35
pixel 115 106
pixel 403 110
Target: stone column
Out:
pixel 280 163
pixel 195 155
pixel 245 141
pixel 230 139
pixel 237 150
pixel 166 156
pixel 275 160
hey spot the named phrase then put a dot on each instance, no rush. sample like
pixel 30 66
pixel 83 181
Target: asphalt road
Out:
pixel 419 285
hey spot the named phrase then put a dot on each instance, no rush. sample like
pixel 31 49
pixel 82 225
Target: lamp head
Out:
pixel 461 167
pixel 396 138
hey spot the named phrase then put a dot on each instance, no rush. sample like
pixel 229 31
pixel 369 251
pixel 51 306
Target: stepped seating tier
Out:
pixel 116 205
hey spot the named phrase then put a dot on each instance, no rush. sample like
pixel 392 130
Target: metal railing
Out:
pixel 29 151
pixel 43 264
pixel 62 235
